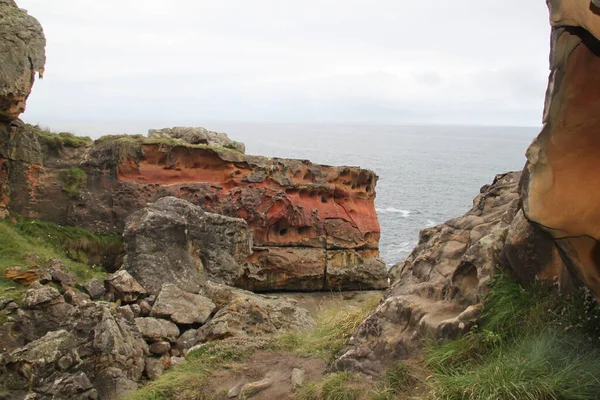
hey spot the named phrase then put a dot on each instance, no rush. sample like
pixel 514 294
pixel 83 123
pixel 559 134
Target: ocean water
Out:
pixel 427 174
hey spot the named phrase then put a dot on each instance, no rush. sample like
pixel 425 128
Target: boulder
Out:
pixel 437 292
pixel 61 274
pixel 22 45
pixel 182 307
pixel 198 136
pixel 124 287
pixel 157 330
pixel 43 310
pixel 94 288
pixel 253 388
pixel 173 241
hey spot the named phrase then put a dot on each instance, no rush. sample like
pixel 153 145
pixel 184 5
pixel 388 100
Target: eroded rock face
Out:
pixel 437 291
pixel 198 136
pixel 560 195
pixel 301 214
pixel 22 45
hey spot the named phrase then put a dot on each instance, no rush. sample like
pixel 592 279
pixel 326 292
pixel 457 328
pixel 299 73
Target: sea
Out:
pixel 427 174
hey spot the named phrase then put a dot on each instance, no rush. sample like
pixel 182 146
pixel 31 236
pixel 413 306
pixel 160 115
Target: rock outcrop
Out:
pixel 22 45
pixel 198 136
pixel 312 225
pixel 559 194
pixel 438 290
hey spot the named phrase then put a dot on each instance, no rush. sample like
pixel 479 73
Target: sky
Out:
pixel 189 62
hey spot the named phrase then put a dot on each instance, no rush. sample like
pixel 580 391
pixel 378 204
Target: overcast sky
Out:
pixel 182 62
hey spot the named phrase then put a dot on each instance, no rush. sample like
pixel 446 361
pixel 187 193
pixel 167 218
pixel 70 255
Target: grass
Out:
pixel 335 325
pixel 531 344
pixel 58 140
pixel 80 250
pixel 74 180
pixel 185 381
pixel 158 140
pixel 337 386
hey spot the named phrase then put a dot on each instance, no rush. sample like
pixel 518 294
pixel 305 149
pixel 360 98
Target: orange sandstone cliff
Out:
pixel 314 226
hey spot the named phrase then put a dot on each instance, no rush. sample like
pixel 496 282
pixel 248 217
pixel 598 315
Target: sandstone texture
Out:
pixel 22 45
pixel 439 290
pixel 559 194
pixel 311 225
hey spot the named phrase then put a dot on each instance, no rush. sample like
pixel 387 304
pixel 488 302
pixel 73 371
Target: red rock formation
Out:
pixel 314 227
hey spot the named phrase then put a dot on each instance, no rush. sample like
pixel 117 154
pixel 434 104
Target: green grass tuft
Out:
pixel 531 344
pixel 74 180
pixel 335 325
pixel 159 140
pixel 58 140
pixel 80 250
pixel 337 386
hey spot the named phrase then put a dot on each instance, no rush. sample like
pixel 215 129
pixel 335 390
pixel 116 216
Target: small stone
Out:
pixel 126 312
pixel 145 308
pixel 298 378
pixel 75 297
pixel 155 367
pixel 182 307
pixel 136 309
pixel 176 361
pixel 160 348
pixel 250 389
pixel 61 274
pixel 175 353
pixel 124 286
pixel 94 288
pixel 157 330
pixel 235 391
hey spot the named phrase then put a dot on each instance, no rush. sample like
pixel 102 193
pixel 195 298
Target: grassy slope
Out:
pixel 76 248
pixel 531 345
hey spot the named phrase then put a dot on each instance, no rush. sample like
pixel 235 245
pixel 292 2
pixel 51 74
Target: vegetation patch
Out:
pixel 337 386
pixel 58 140
pixel 335 325
pixel 531 344
pixel 33 243
pixel 184 382
pixel 74 180
pixel 159 140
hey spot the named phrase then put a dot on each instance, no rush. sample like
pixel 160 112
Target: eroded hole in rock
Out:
pixel 283 232
pixel 465 278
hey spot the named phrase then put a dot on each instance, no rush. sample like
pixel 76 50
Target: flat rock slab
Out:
pixel 157 329
pixel 182 307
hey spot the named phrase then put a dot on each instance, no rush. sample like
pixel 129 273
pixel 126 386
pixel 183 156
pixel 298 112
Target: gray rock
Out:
pixel 176 361
pixel 145 308
pixel 75 297
pixel 124 287
pixel 113 384
pixel 94 288
pixel 160 348
pixel 298 378
pixel 44 296
pixel 44 310
pixel 174 241
pixel 61 274
pixel 253 388
pixel 182 307
pixel 157 330
pixel 235 391
pixel 198 136
pixel 155 367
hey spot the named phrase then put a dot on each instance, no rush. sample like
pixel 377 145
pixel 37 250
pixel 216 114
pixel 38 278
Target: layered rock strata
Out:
pixel 314 227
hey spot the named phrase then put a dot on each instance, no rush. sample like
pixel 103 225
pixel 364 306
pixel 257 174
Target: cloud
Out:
pixel 465 61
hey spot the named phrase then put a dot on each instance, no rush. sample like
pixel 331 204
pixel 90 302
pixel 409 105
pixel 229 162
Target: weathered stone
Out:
pixel 157 329
pixel 436 293
pixel 253 388
pixel 61 274
pixel 298 378
pixel 47 295
pixel 94 288
pixel 114 384
pixel 198 136
pixel 155 367
pixel 182 307
pixel 124 287
pixel 173 241
pixel 235 391
pixel 160 348
pixel 22 276
pixel 75 297
pixel 22 45
pixel 355 270
pixel 44 310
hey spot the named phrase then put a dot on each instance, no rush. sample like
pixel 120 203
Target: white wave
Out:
pixel 405 213
pixel 430 223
